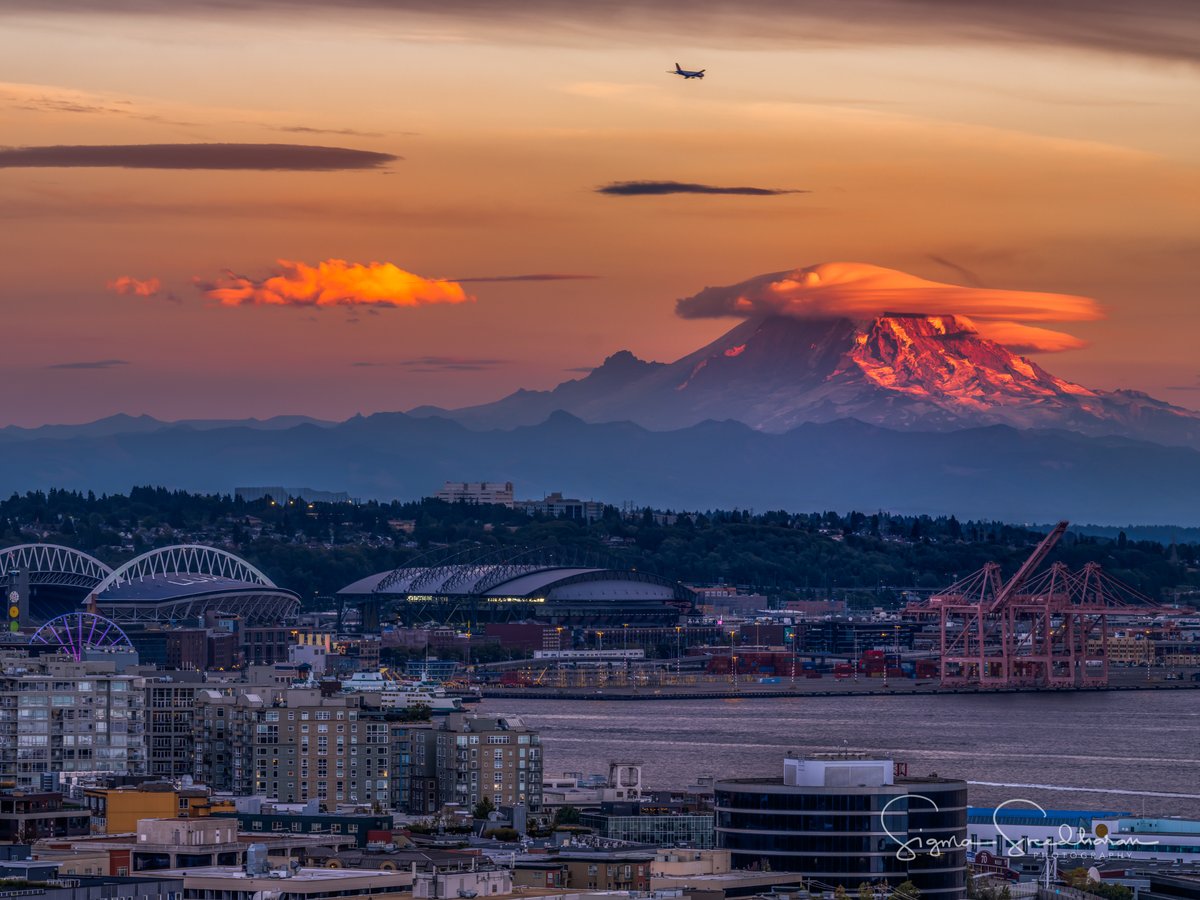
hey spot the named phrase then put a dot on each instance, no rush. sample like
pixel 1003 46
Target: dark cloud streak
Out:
pixel 433 364
pixel 91 364
pixel 539 276
pixel 265 157
pixel 962 271
pixel 661 188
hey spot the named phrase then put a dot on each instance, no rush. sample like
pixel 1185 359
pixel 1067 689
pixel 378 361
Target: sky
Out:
pixel 216 210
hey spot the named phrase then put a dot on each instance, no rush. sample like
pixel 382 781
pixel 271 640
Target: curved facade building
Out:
pixel 845 820
pixel 500 592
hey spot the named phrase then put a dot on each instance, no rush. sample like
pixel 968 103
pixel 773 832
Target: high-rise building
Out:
pixel 73 718
pixel 847 819
pixel 170 752
pixel 498 758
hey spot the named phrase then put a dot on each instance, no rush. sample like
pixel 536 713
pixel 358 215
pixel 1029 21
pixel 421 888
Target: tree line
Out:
pixel 868 558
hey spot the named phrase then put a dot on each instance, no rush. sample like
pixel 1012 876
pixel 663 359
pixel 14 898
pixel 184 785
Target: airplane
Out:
pixel 685 73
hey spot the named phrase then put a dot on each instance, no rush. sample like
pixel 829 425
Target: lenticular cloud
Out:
pixel 859 291
pixel 333 282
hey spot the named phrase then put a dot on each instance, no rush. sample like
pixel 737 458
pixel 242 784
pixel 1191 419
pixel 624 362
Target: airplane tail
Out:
pixel 678 68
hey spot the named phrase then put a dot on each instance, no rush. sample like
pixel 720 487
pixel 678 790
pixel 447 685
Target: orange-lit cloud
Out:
pixel 333 282
pixel 1029 338
pixel 128 286
pixel 860 290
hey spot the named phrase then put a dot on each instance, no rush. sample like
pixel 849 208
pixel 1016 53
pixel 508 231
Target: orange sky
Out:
pixel 1043 155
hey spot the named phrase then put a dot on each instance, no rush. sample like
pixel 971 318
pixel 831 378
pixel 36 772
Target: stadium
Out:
pixel 180 583
pixel 470 593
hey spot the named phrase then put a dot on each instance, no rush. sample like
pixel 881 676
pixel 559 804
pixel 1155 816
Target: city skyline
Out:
pixel 527 196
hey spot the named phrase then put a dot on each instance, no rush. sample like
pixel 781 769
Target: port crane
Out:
pixel 1034 630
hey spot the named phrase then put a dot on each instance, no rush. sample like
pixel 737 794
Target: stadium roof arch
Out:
pixel 57 577
pixel 186 581
pixel 54 564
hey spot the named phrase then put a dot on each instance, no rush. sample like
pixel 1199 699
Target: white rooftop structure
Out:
pixel 842 770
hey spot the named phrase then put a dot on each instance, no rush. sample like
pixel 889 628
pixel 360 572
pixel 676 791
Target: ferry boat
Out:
pixel 395 694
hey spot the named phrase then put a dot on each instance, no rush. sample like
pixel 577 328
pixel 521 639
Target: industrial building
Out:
pixel 844 819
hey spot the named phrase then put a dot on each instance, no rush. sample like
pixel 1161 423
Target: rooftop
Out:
pixel 237 873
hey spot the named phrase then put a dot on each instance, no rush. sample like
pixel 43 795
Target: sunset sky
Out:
pixel 1049 147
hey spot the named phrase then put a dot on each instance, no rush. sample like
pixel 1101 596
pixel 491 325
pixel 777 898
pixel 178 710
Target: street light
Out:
pixel 468 658
pixel 855 663
pixel 732 658
pixel 793 649
pixel 678 651
pixel 883 634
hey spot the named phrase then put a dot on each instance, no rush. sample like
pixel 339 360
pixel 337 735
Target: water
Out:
pixel 1120 751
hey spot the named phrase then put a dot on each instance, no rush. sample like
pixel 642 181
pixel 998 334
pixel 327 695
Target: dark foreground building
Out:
pixel 846 819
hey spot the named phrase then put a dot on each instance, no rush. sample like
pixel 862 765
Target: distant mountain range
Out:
pixel 124 424
pixel 905 412
pixel 775 373
pixel 995 472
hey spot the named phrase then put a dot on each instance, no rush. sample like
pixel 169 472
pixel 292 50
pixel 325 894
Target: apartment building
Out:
pixel 169 749
pixel 494 757
pixel 73 718
pixel 292 745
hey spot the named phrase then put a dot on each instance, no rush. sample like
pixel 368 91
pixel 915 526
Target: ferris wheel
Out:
pixel 77 632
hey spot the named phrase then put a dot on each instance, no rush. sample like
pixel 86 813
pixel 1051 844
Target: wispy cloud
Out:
pixel 436 364
pixel 267 157
pixel 333 282
pixel 1185 387
pixel 1168 29
pixel 540 276
pixel 91 364
pixel 344 132
pixel 40 98
pixel 659 188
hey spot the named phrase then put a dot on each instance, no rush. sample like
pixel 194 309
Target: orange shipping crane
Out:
pixel 1047 630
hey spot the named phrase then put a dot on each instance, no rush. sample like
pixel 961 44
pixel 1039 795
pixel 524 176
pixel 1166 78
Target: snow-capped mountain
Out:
pixel 900 370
